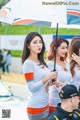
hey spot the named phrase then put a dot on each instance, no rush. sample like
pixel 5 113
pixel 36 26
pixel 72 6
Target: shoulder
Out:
pixel 76 114
pixel 54 115
pixel 50 65
pixel 28 62
pixel 49 62
pixel 27 65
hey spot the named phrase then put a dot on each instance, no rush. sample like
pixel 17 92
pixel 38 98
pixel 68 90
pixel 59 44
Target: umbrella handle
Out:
pixel 55 50
pixel 53 80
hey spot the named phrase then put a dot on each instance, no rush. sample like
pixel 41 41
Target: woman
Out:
pixel 8 61
pixel 62 69
pixel 74 54
pixel 37 76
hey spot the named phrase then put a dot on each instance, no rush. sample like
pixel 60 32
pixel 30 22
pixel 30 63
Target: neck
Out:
pixel 58 58
pixel 33 57
pixel 66 106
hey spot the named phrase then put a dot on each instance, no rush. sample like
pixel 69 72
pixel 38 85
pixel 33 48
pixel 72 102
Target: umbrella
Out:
pixel 39 12
pixel 26 12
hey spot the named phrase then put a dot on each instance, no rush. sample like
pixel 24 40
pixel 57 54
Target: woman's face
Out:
pixel 62 49
pixel 36 45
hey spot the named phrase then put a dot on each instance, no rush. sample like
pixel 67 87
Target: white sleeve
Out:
pixel 50 65
pixel 28 70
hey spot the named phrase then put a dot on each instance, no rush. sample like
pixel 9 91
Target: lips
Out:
pixel 39 48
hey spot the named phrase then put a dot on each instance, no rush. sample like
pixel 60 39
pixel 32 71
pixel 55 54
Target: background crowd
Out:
pixel 5 61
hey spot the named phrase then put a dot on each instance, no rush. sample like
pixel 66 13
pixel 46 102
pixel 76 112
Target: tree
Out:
pixel 3 2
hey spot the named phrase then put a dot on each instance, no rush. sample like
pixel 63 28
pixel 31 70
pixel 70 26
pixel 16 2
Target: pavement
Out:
pixel 13 77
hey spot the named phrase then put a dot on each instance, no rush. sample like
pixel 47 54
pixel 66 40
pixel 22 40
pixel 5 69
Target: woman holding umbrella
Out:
pixel 37 76
pixel 64 74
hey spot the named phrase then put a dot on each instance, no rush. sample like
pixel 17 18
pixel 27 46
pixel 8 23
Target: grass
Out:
pixel 22 30
pixel 18 53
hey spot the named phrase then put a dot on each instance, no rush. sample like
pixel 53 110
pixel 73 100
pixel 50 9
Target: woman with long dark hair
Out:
pixel 64 75
pixel 37 76
pixel 74 54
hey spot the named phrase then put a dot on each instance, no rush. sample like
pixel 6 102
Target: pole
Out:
pixel 39 29
pixel 55 50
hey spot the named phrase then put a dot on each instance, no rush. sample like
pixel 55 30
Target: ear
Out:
pixel 72 99
pixel 28 46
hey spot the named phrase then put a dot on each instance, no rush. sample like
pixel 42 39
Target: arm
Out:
pixel 28 70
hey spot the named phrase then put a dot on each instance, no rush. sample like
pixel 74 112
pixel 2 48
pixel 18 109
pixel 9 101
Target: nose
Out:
pixel 39 44
pixel 66 49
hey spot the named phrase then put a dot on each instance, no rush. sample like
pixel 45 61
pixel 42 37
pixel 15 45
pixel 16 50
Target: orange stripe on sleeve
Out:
pixel 29 76
pixel 51 109
pixel 37 110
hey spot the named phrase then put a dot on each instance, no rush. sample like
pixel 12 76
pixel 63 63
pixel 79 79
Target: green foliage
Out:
pixel 24 29
pixel 3 2
pixel 16 53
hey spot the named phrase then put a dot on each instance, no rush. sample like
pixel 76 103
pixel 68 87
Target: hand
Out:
pixel 60 84
pixel 76 58
pixel 52 83
pixel 49 77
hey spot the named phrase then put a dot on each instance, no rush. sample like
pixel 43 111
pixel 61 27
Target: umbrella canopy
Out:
pixel 42 13
pixel 28 12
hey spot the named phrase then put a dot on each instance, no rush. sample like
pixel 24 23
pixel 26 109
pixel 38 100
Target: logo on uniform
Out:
pixel 64 119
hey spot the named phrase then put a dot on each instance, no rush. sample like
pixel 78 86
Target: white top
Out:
pixel 76 77
pixel 39 97
pixel 63 76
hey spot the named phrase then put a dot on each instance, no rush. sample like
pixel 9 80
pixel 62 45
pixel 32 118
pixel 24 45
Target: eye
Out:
pixel 35 42
pixel 40 41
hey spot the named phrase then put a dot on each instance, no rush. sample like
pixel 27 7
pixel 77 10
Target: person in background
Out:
pixel 8 61
pixel 37 76
pixel 4 53
pixel 64 74
pixel 1 62
pixel 74 61
pixel 69 102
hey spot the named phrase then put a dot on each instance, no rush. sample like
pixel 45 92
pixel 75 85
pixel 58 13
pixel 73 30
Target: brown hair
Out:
pixel 74 48
pixel 26 51
pixel 54 44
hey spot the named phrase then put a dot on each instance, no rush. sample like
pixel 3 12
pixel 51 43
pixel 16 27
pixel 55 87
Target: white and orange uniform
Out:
pixel 34 72
pixel 63 76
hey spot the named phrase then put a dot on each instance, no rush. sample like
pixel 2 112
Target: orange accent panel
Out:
pixel 29 76
pixel 37 110
pixel 51 109
pixel 19 22
pixel 74 13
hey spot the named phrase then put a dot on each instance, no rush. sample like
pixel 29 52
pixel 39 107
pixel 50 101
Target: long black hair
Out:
pixel 26 51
